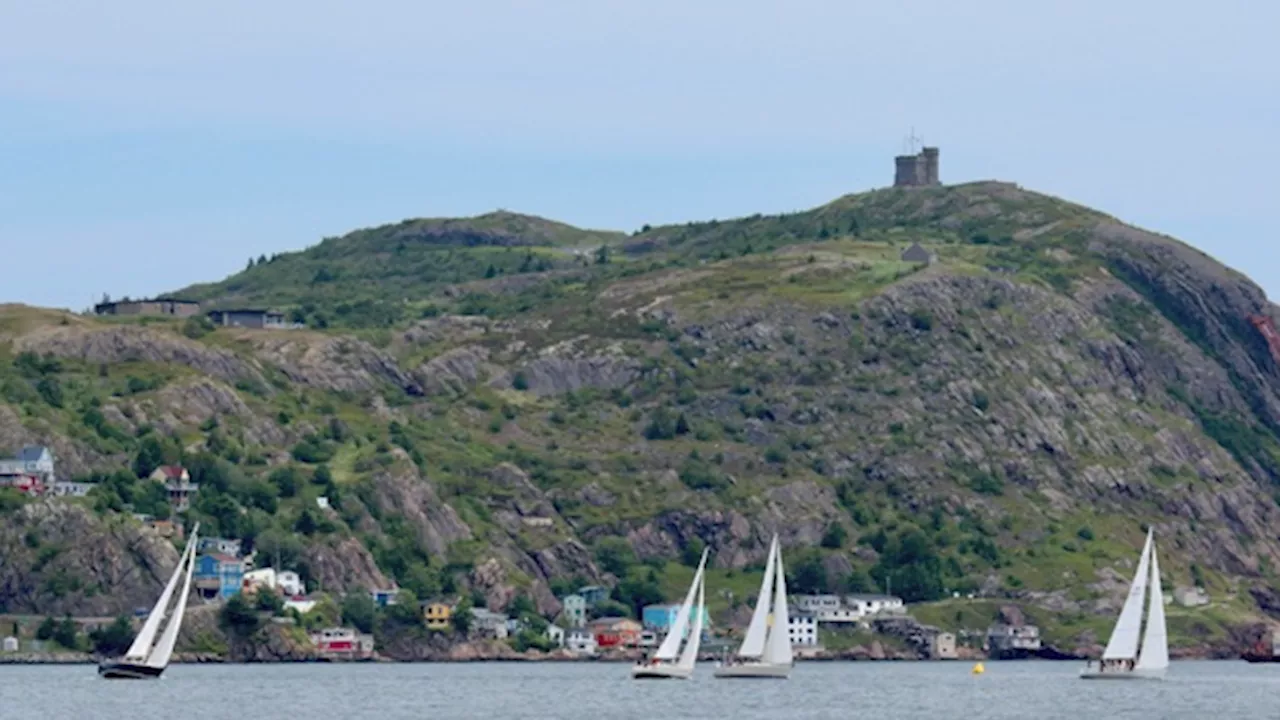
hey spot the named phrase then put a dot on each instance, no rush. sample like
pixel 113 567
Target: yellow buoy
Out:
pixel 978 669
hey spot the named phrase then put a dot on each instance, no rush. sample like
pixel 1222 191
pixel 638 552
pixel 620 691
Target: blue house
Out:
pixel 660 617
pixel 218 576
pixel 594 594
pixel 383 598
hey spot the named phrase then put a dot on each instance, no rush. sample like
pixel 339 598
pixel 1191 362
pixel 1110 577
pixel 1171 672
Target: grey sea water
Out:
pixel 884 691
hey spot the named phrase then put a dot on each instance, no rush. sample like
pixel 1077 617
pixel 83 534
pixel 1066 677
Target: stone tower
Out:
pixel 917 170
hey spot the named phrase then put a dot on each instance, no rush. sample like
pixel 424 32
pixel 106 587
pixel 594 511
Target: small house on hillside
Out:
pixel 248 318
pixel 662 617
pixel 30 472
pixel 489 624
pixel 580 641
pixel 438 615
pixel 218 576
pixel 917 254
pixel 942 646
pixel 616 632
pixel 177 483
pixel 593 594
pixel 174 307
pixel 574 608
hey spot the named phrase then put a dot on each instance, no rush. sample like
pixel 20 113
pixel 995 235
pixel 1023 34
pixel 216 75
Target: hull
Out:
pixel 660 672
pixel 1260 658
pixel 128 671
pixel 754 670
pixel 1095 674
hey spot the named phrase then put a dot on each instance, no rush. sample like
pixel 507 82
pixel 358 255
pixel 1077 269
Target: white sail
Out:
pixel 753 643
pixel 777 650
pixel 1123 644
pixel 141 646
pixel 1155 641
pixel 159 657
pixel 671 643
pixel 689 658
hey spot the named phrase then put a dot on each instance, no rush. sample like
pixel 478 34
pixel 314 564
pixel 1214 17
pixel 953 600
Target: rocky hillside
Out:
pixel 509 405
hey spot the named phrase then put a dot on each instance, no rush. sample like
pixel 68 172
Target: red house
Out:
pixel 616 632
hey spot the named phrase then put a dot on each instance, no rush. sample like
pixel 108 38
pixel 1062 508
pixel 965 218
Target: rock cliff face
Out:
pixel 57 558
pixel 1009 417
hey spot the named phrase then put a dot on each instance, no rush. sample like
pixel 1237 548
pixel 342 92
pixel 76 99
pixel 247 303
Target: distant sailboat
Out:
pixel 147 658
pixel 669 662
pixel 765 651
pixel 1122 659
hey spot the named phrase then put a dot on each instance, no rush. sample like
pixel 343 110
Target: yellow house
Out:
pixel 438 616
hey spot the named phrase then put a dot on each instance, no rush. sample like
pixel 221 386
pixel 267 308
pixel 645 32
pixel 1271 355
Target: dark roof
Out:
pixel 246 311
pixel 31 453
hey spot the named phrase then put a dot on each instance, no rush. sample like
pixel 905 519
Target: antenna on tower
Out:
pixel 913 142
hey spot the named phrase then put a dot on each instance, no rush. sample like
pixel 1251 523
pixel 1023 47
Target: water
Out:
pixel 604 691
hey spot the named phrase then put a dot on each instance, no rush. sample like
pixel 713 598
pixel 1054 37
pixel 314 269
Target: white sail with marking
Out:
pixel 670 646
pixel 141 646
pixel 1123 644
pixel 777 650
pixel 689 658
pixel 159 657
pixel 1155 641
pixel 753 643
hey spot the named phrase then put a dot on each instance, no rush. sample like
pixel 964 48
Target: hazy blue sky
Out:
pixel 149 144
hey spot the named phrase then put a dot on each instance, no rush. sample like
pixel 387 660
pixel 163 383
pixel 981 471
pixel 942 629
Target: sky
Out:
pixel 151 144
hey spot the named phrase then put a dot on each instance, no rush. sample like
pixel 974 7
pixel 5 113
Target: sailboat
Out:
pixel 669 662
pixel 766 650
pixel 147 657
pixel 1123 659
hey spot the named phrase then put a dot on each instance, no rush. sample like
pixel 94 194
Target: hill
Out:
pixel 491 413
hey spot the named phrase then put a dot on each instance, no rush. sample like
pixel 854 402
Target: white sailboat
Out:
pixel 766 650
pixel 669 662
pixel 146 657
pixel 1123 659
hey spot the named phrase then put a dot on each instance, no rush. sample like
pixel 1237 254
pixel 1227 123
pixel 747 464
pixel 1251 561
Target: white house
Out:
pixel 222 546
pixel 302 605
pixel 66 488
pixel 555 634
pixel 874 604
pixel 847 609
pixel 580 641
pixel 11 644
pixel 489 623
pixel 827 608
pixel 802 628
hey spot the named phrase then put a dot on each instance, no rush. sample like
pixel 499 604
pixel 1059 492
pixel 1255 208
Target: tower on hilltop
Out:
pixel 916 169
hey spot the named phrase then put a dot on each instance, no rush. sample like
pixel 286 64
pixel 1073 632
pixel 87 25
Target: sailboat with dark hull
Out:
pixel 147 658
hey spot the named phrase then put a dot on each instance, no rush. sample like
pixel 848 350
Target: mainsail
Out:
pixel 1124 638
pixel 141 646
pixel 753 643
pixel 670 646
pixel 689 657
pixel 159 657
pixel 777 649
pixel 1155 641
